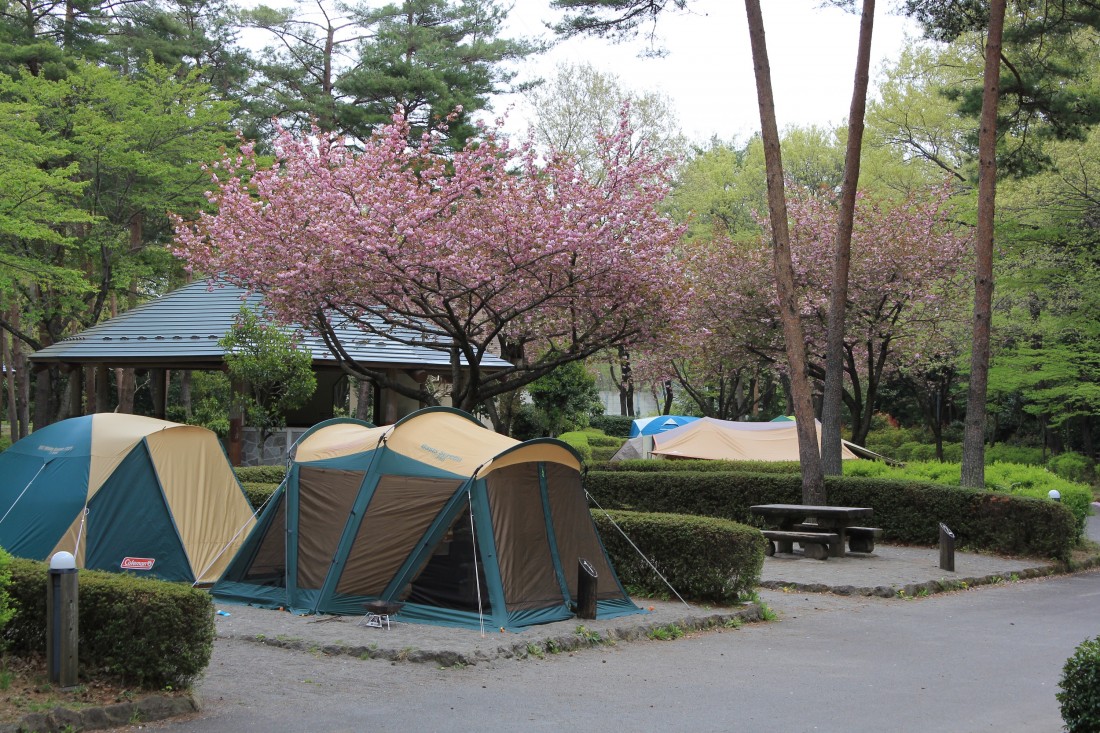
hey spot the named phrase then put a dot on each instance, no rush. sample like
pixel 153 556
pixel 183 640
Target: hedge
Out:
pixel 1015 479
pixel 908 512
pixel 614 425
pixel 578 441
pixel 260 474
pixel 603 454
pixel 703 558
pixel 599 439
pixel 146 632
pixel 258 493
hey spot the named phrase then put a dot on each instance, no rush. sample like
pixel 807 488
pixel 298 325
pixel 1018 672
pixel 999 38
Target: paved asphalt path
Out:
pixel 986 659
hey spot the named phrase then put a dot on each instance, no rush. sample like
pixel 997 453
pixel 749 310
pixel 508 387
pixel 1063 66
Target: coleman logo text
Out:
pixel 137 563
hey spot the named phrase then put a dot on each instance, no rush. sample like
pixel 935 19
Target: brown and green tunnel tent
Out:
pixel 462 525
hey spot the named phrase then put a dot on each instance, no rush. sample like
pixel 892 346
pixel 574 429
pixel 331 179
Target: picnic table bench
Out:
pixel 814 544
pixel 816 527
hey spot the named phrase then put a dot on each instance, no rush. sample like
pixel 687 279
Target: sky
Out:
pixel 708 72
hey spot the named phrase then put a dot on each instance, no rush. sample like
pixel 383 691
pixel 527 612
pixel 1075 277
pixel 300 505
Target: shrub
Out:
pixel 260 474
pixel 1036 482
pixel 599 439
pixel 1009 478
pixel 258 493
pixel 5 443
pixel 704 559
pixel 1002 453
pixel 617 426
pixel 953 452
pixel 579 442
pixel 908 511
pixel 146 632
pixel 603 454
pixel 920 451
pixel 1080 688
pixel 6 610
pixel 1073 467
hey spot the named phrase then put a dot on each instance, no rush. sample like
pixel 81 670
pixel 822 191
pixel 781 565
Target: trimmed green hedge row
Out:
pixel 260 474
pixel 703 558
pixel 578 441
pixel 602 454
pixel 907 511
pixel 145 632
pixel 258 493
pixel 614 425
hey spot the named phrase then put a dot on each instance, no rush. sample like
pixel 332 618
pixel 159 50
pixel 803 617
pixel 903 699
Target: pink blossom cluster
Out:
pixel 466 248
pixel 908 273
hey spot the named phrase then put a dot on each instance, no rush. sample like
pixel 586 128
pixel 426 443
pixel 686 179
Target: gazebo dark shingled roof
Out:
pixel 181 330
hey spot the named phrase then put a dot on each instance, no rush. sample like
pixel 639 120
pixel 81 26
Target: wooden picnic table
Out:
pixel 825 519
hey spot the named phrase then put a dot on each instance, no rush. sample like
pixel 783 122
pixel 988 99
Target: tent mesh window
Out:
pixel 269 564
pixel 448 579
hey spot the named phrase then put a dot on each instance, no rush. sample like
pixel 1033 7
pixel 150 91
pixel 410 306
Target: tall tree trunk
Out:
pixel 813 479
pixel 125 380
pixel 46 383
pixel 364 393
pixel 7 363
pixel 22 387
pixel 626 383
pixel 838 296
pixel 973 459
pixel 185 395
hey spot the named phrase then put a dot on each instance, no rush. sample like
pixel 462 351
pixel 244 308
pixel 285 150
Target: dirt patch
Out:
pixel 25 689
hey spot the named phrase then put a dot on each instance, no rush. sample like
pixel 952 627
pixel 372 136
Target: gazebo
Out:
pixel 181 331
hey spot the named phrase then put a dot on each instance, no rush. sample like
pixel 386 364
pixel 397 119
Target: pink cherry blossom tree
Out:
pixel 487 250
pixel 908 260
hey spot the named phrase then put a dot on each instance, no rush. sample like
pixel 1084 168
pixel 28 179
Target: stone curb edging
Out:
pixel 943 585
pixel 148 709
pixel 522 649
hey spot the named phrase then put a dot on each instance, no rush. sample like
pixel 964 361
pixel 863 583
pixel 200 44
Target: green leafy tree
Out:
pixel 566 397
pixel 98 162
pixel 274 374
pixel 1034 87
pixel 350 67
pixel 579 107
pixel 185 36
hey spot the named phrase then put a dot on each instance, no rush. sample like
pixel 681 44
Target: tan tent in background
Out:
pixel 734 441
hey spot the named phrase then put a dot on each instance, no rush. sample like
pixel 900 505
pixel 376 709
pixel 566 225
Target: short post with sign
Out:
pixel 947 548
pixel 62 626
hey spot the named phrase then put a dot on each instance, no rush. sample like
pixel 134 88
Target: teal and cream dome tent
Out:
pixel 460 525
pixel 124 493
